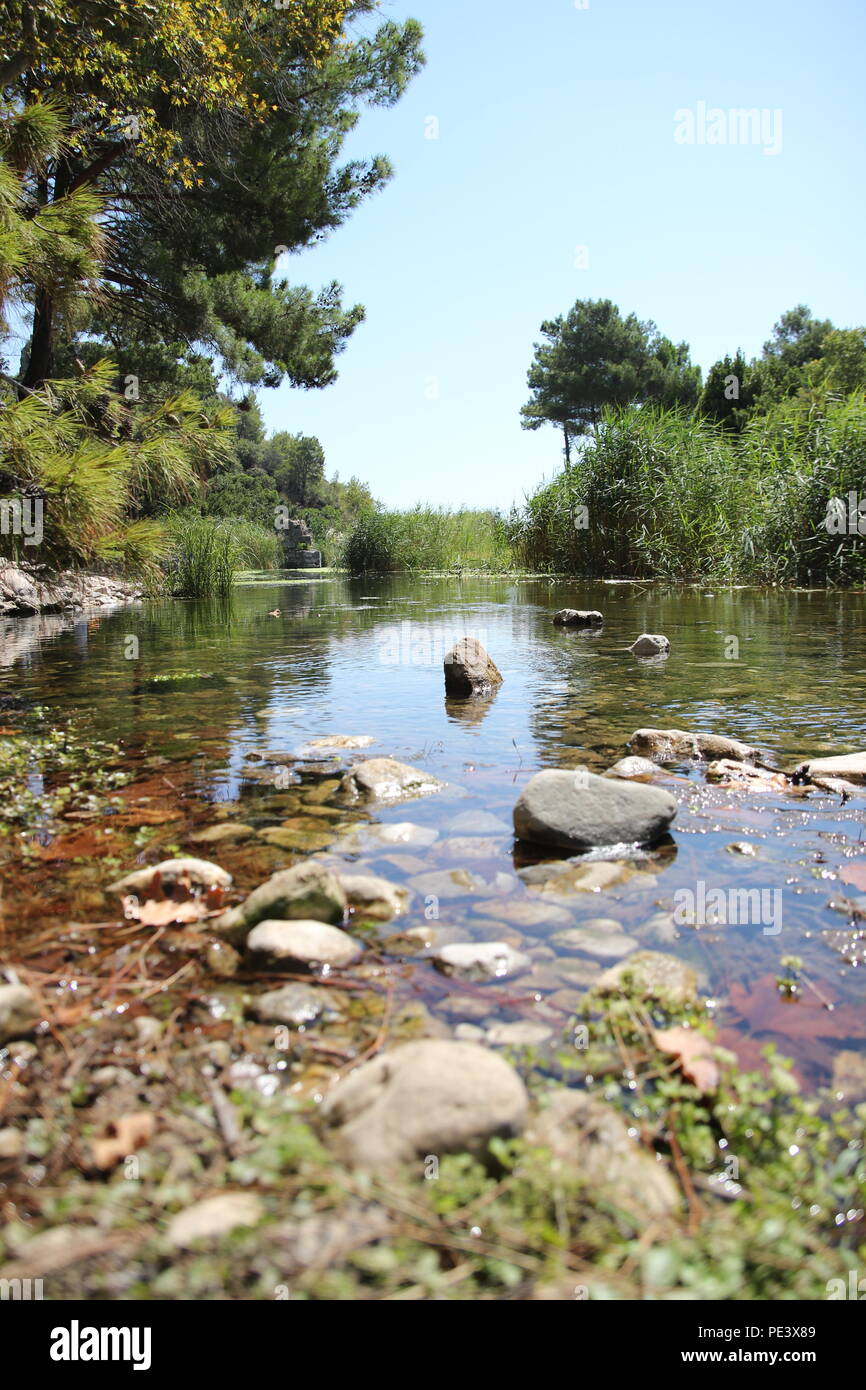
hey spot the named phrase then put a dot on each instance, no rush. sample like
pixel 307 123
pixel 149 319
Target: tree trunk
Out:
pixel 41 342
pixel 567 447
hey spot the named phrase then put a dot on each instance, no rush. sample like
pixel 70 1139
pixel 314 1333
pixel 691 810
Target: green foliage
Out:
pixel 249 495
pixel 593 359
pixel 206 554
pixel 426 538
pixel 212 134
pixel 661 494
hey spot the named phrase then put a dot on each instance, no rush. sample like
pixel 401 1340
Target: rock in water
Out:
pixel 850 767
pixel 200 872
pixel 384 779
pixel 480 960
pixel 306 944
pixel 655 975
pixel 374 897
pixel 303 892
pixel 650 644
pixel 631 767
pixel 469 670
pixel 667 745
pixel 578 617
pixel 578 810
pixel 429 1097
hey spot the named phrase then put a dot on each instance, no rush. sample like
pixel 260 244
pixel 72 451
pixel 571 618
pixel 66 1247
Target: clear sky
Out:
pixel 556 130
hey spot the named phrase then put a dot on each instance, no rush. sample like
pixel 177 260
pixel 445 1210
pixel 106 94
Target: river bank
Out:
pixel 207 747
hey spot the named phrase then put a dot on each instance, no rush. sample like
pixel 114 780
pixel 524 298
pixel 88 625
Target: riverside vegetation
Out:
pixel 162 1126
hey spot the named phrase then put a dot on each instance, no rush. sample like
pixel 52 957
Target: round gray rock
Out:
pixel 430 1097
pixel 578 810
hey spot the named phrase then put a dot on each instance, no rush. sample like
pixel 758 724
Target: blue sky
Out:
pixel 556 131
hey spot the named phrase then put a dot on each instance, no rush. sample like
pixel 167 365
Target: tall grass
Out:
pixel 207 553
pixel 660 494
pixel 427 538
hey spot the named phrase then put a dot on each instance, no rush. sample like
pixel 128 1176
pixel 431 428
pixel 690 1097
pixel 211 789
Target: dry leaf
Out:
pixel 122 1137
pixel 694 1052
pixel 154 913
pixel 855 874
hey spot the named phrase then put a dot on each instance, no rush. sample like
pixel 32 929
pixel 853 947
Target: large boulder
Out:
pixel 425 1098
pixel 384 779
pixel 650 644
pixel 469 670
pixel 304 892
pixel 578 617
pixel 578 811
pixel 669 745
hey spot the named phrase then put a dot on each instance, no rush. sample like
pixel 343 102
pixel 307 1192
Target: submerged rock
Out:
pixel 587 1137
pixel 480 960
pixel 200 872
pixel 578 617
pixel 478 823
pixel 631 767
pixel 521 1033
pixel 650 644
pixel 669 745
pixel 293 1004
pixel 372 896
pixel 384 779
pixel 562 880
pixel 341 741
pixel 656 976
pixel 222 833
pixel 579 810
pixel 306 891
pixel 429 1097
pixel 731 772
pixel 602 937
pixel 306 944
pixel 469 670
pixel 19 1012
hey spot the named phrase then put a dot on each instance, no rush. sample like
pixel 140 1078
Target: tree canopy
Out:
pixel 212 132
pixel 592 358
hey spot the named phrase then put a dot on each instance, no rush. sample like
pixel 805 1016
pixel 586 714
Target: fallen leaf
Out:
pixel 694 1052
pixel 82 844
pixel 154 913
pixel 854 873
pixel 122 1137
pixel 766 1010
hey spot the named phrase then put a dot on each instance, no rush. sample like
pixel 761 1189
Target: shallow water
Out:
pixel 783 670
